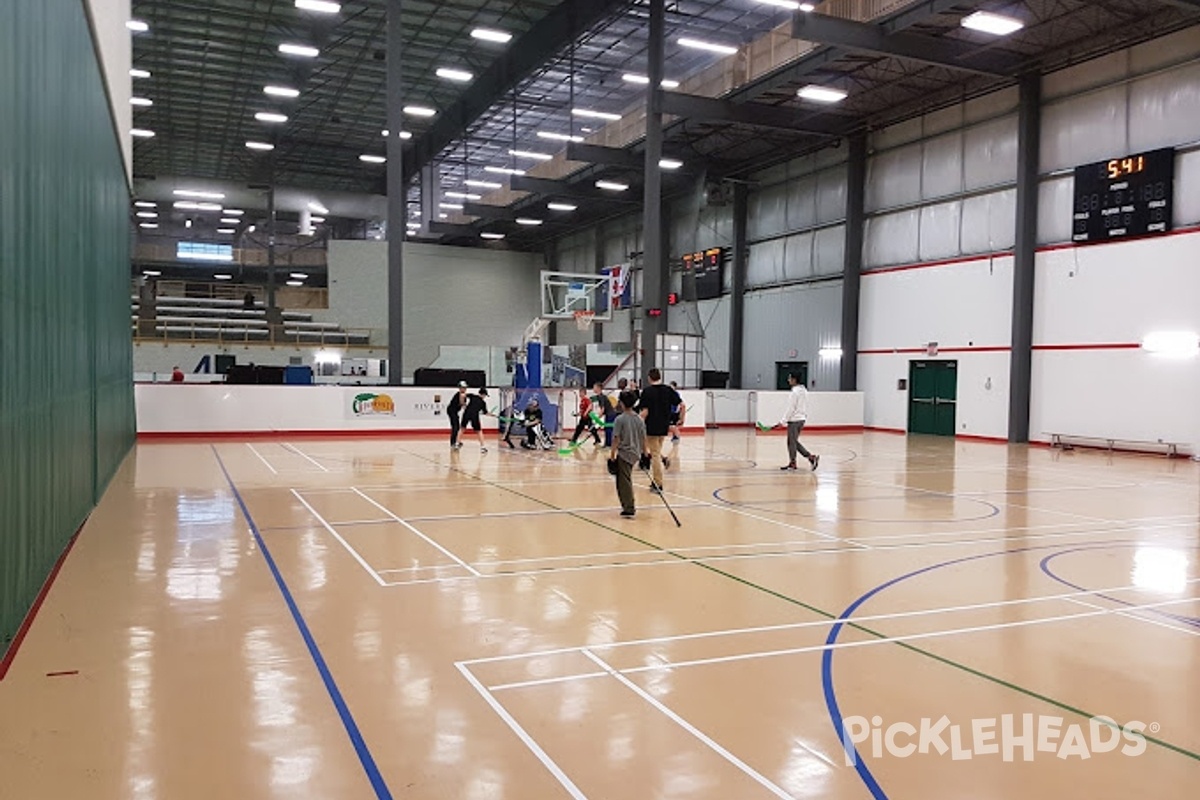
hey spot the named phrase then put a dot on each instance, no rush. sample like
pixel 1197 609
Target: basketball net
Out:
pixel 584 319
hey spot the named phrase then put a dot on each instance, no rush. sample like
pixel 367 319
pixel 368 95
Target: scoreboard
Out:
pixel 1124 197
pixel 708 269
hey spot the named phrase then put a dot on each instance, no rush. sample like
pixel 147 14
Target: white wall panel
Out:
pixel 898 134
pixel 891 239
pixel 990 153
pixel 801 318
pixel 1056 204
pixel 940 225
pixel 767 212
pixel 989 222
pixel 894 178
pixel 802 203
pixel 1164 109
pixel 765 265
pixel 1164 51
pixel 942 166
pixel 942 120
pixel 114 50
pixel 716 226
pixel 798 257
pixel 829 251
pixel 831 195
pixel 1087 75
pixel 1187 180
pixel 1084 129
pixel 707 318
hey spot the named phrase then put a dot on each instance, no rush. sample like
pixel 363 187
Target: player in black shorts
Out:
pixel 473 408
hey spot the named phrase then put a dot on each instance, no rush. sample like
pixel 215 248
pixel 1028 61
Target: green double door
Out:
pixel 932 397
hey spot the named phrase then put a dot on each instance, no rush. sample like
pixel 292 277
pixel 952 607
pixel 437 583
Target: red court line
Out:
pixel 974 437
pixel 62 673
pixel 241 436
pixel 15 645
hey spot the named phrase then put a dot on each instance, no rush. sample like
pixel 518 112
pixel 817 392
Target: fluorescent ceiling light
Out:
pixel 148 214
pixel 490 35
pixel 205 256
pixel 141 133
pixel 139 73
pixel 484 184
pixel 137 26
pixel 528 221
pixel 791 5
pixel 443 216
pixel 669 163
pixel 460 75
pixel 321 6
pixel 298 276
pixel 995 24
pixel 251 229
pixel 559 137
pixel 586 130
pixel 231 220
pixel 807 7
pixel 264 146
pixel 463 195
pixel 222 276
pixel 644 80
pixel 148 224
pixel 281 91
pixel 270 116
pixel 295 283
pixel 419 111
pixel 530 154
pixel 198 195
pixel 821 94
pixel 370 159
pixel 145 204
pixel 451 206
pixel 504 171
pixel 612 186
pixel 490 235
pixel 403 134
pixel 412 225
pixel 317 207
pixel 316 220
pixel 830 352
pixel 712 47
pixel 302 50
pixel 1176 344
pixel 232 212
pixel 587 112
pixel 226 230
pixel 561 207
pixel 151 273
pixel 187 223
pixel 145 102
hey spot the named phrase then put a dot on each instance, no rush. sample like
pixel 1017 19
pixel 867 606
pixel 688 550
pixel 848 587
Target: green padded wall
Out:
pixel 66 383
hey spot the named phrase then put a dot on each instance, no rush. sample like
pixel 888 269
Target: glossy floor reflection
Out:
pixel 921 618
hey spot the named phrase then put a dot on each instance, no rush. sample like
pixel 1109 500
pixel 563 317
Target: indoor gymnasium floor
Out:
pixel 371 618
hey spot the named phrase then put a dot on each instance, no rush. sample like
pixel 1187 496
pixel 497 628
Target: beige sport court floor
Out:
pixel 371 618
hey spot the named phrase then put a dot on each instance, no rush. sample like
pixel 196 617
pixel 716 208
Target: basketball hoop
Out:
pixel 584 319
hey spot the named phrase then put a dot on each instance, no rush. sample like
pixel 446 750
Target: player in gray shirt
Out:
pixel 628 447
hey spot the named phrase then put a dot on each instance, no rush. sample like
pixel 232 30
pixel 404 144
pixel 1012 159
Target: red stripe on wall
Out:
pixel 1000 348
pixel 1096 346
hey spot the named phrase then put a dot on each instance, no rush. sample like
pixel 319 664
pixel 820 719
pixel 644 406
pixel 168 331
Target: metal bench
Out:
pixel 1063 442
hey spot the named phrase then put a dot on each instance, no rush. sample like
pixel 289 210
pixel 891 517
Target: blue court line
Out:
pixel 754 505
pixel 831 703
pixel 1186 620
pixel 360 745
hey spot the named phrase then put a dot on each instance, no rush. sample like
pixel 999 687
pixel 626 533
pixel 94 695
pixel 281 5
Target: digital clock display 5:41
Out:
pixel 1121 167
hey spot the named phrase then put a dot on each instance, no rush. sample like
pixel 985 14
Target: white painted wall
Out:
pixel 114 52
pixel 452 295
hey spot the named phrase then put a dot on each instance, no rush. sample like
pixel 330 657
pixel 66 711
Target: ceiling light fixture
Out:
pixel 264 146
pixel 281 91
pixel 462 195
pixel 612 186
pixel 320 6
pixel 669 163
pixel 644 80
pixel 370 159
pixel 270 116
pixel 530 154
pixel 298 276
pixel 226 230
pixel 231 220
pixel 190 205
pixel 151 273
pixel 460 75
pixel 712 47
pixel 493 236
pixel 484 184
pixel 149 225
pixel 561 206
pixel 528 221
pixel 222 276
pixel 995 24
pixel 145 204
pixel 403 134
pixel 559 137
pixel 137 26
pixel 504 171
pixel 145 102
pixel 451 206
pixel 490 35
pixel 196 194
pixel 316 220
pixel 141 133
pixel 821 94
pixel 318 208
pixel 232 212
pixel 419 111
pixel 790 5
pixel 295 283
pixel 139 73
pixel 587 112
pixel 148 214
pixel 302 50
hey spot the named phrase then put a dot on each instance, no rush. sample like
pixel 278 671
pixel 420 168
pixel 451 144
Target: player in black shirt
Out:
pixel 475 405
pixel 656 404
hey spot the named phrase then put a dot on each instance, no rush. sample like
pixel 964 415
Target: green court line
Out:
pixel 849 623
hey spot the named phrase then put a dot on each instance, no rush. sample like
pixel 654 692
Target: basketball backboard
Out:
pixel 564 293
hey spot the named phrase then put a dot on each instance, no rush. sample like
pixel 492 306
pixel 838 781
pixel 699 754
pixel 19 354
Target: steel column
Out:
pixel 1029 148
pixel 737 295
pixel 856 190
pixel 397 192
pixel 654 260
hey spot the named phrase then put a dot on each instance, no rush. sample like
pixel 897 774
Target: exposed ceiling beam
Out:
pixel 1192 5
pixel 861 36
pixel 752 114
pixel 598 154
pixel 485 212
pixel 523 56
pixel 546 187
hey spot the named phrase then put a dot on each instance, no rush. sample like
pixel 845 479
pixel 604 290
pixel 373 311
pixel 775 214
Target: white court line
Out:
pixel 670 665
pixel 300 452
pixel 437 546
pixel 740 512
pixel 922 612
pixel 1159 622
pixel 516 728
pixel 692 729
pixel 338 536
pixel 534 513
pixel 260 458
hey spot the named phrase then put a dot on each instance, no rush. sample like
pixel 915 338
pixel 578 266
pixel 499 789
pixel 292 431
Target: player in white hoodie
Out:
pixel 794 418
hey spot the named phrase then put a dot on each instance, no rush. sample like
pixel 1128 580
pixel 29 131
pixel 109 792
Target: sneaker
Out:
pixel 674 438
pixel 655 488
pixel 790 467
pixel 816 459
pixel 458 446
pixel 511 446
pixel 628 513
pixel 483 449
pixel 666 462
